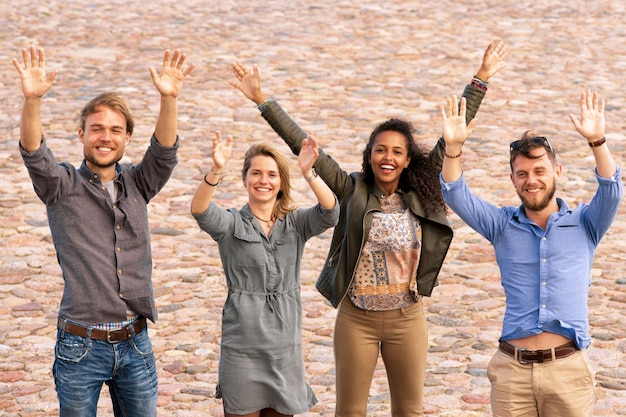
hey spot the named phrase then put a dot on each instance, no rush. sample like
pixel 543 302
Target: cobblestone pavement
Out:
pixel 339 67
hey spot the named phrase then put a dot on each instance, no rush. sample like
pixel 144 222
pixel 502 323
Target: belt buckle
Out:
pixel 109 337
pixel 109 333
pixel 518 356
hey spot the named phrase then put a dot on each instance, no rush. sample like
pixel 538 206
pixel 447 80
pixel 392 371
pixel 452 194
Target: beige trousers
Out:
pixel 561 388
pixel 401 337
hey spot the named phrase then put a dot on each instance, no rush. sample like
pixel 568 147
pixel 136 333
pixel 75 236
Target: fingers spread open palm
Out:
pixel 592 122
pixel 35 81
pixel 454 127
pixel 170 81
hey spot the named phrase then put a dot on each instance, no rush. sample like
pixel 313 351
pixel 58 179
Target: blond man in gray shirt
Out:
pixel 98 219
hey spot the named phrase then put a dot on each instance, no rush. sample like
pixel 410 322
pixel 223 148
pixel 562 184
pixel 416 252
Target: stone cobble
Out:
pixel 339 67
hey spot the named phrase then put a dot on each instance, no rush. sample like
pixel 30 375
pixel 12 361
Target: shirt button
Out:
pixel 119 271
pixel 118 227
pixel 118 249
pixel 121 295
pixel 544 283
pixel 544 238
pixel 543 306
pixel 544 260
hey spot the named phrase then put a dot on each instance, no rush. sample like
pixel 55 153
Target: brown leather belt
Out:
pixel 525 356
pixel 111 336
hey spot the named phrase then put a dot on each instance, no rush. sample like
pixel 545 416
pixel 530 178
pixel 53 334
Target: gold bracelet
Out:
pixel 212 185
pixel 452 156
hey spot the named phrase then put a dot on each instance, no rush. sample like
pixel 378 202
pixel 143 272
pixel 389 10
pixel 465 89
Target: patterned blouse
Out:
pixel 385 274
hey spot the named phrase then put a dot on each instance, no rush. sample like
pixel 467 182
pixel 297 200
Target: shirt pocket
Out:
pixel 249 251
pixel 135 212
pixel 286 251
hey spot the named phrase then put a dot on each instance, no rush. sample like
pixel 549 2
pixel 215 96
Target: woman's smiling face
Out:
pixel 388 159
pixel 262 179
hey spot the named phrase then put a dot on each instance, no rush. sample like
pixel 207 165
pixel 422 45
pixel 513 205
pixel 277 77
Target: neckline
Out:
pixel 263 220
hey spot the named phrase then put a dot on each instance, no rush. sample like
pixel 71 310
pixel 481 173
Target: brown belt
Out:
pixel 525 356
pixel 111 336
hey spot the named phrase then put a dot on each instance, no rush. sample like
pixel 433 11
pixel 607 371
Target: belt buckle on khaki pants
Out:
pixel 518 357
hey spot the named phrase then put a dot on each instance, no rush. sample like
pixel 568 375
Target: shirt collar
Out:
pixel 91 176
pixel 379 194
pixel 520 213
pixel 246 212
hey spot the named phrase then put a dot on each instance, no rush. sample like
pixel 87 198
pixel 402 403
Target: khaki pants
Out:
pixel 561 388
pixel 402 339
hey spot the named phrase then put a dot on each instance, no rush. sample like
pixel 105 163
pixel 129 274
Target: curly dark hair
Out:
pixel 421 176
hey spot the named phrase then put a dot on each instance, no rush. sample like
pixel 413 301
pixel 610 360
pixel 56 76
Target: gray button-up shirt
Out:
pixel 102 244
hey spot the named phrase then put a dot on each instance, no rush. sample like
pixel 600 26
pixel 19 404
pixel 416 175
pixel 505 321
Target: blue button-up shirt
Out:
pixel 545 273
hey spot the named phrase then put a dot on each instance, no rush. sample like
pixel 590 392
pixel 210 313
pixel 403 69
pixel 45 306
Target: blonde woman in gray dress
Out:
pixel 261 371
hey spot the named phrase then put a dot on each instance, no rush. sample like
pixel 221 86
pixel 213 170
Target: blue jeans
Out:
pixel 81 365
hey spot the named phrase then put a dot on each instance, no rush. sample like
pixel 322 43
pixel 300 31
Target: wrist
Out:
pixel 259 99
pixel 596 143
pixel 454 155
pixel 453 151
pixel 310 176
pixel 33 99
pixel 209 183
pixel 261 106
pixel 482 76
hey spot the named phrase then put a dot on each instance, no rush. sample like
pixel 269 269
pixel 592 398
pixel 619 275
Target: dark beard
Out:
pixel 541 204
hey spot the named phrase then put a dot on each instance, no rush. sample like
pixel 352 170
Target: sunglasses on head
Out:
pixel 539 140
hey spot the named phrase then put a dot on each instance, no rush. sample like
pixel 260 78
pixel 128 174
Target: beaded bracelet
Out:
pixel 477 84
pixel 475 77
pixel 597 143
pixel 453 156
pixel 263 105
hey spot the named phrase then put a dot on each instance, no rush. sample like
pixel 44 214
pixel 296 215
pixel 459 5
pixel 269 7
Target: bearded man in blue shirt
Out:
pixel 545 251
